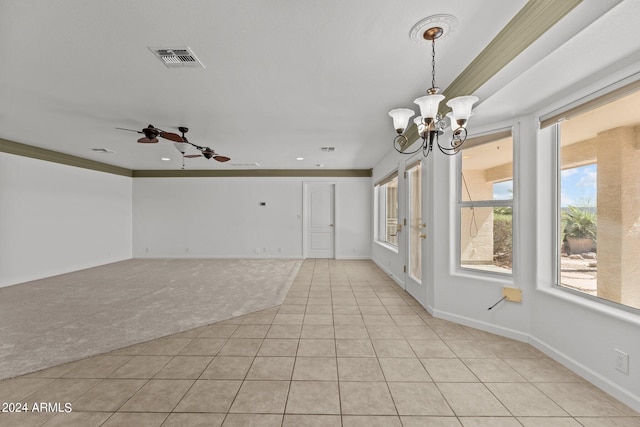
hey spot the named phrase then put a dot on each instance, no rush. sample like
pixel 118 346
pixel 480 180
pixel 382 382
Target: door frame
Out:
pixel 413 287
pixel 305 215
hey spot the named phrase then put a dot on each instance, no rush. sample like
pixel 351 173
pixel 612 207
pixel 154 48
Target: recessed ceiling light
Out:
pixel 166 159
pixel 299 158
pixel 246 165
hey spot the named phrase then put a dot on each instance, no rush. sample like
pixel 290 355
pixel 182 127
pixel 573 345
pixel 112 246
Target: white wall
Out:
pixel 222 217
pixel 55 219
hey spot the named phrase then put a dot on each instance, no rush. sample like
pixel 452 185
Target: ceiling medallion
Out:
pixel 448 24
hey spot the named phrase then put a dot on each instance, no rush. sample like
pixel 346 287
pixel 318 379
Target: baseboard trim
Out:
pixel 429 309
pixel 389 273
pixel 628 398
pixel 242 256
pixel 483 326
pixel 64 271
pixel 606 385
pixel 200 256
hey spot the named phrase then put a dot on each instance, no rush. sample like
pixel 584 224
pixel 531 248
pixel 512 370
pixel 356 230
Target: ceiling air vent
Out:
pixel 327 149
pixel 102 150
pixel 179 57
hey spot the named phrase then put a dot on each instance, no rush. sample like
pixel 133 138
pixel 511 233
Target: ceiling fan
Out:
pixel 151 134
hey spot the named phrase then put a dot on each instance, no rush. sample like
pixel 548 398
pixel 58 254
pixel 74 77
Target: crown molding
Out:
pixel 267 173
pixel 25 150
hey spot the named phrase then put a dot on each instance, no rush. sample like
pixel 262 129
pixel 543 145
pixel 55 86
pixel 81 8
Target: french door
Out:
pixel 416 229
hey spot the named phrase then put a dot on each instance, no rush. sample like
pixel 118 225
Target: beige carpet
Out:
pixel 68 317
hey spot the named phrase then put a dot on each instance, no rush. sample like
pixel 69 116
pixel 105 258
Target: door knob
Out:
pixel 422 236
pixel 330 225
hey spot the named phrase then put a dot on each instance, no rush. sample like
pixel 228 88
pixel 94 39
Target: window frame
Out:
pixel 460 204
pixel 382 240
pixel 557 201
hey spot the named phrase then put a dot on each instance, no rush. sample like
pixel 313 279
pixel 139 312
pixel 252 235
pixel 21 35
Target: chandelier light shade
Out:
pixel 429 106
pixel 401 118
pixel 431 124
pixel 461 108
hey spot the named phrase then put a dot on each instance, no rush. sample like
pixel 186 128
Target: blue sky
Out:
pixel 577 187
pixel 503 190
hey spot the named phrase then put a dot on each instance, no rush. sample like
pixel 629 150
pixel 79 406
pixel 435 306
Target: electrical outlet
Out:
pixel 187 250
pixel 622 361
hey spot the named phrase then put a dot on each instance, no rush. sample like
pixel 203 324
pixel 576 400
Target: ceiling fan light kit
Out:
pixel 181 142
pixel 430 123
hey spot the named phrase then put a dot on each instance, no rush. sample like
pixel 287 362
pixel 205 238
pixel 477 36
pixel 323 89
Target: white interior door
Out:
pixel 319 220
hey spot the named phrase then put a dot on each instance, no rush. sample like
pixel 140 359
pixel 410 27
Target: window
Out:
pixel 387 207
pixel 599 201
pixel 486 204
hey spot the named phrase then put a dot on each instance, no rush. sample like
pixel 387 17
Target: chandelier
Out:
pixel 431 124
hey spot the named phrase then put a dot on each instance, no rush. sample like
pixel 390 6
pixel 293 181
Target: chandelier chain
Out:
pixel 433 63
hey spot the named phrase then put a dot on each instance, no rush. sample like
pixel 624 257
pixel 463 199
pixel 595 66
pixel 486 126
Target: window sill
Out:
pixel 616 311
pixel 501 279
pixel 387 246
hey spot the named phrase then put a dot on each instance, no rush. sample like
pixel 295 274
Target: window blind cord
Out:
pixel 473 224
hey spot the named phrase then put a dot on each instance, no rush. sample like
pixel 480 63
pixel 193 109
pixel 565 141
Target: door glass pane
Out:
pixel 415 222
pixel 391 190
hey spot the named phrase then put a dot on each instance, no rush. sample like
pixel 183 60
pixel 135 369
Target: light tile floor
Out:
pixel 347 347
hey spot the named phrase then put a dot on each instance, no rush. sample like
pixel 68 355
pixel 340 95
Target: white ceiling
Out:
pixel 282 79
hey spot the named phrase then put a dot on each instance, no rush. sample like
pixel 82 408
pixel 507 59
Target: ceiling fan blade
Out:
pixel 130 130
pixel 171 136
pixel 146 140
pixel 192 156
pixel 222 158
